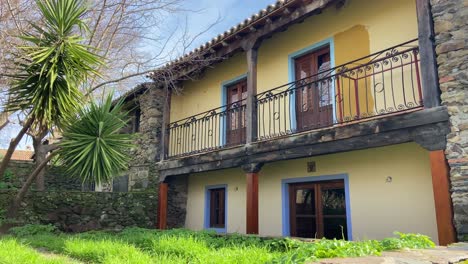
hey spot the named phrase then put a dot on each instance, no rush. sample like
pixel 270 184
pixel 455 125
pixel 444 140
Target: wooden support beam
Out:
pixel 162 206
pixel 252 171
pixel 429 74
pixel 443 202
pixel 251 109
pixel 165 125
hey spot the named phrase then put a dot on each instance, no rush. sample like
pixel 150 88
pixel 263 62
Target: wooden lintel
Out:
pixel 252 203
pixel 443 202
pixel 429 73
pixel 162 206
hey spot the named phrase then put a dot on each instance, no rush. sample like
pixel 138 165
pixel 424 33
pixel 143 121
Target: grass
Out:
pixel 136 245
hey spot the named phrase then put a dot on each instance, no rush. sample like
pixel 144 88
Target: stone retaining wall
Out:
pixel 82 211
pixel 451 39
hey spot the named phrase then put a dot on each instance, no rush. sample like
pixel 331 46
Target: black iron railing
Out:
pixel 217 128
pixel 382 83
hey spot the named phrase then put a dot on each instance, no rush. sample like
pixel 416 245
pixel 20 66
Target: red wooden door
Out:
pixel 314 102
pixel 318 210
pixel 236 95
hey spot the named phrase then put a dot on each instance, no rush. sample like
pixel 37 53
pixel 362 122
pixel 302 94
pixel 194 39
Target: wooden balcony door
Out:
pixel 318 210
pixel 236 130
pixel 314 100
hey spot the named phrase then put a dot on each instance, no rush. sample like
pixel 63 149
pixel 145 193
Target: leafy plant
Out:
pixel 92 147
pixel 32 229
pixel 55 64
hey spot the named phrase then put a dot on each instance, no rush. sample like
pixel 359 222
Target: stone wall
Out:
pixel 143 173
pixel 177 201
pixel 55 178
pixel 82 211
pixel 451 39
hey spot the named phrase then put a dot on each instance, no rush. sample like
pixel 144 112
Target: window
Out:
pixel 217 207
pixel 318 209
pixel 120 184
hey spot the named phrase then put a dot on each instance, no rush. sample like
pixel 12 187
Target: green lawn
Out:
pixel 41 244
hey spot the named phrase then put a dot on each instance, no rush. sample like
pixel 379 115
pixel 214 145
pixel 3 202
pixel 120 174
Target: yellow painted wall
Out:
pixel 204 94
pixel 236 199
pixel 360 28
pixel 377 208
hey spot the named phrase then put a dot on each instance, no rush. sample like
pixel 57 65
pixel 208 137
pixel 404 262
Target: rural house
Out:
pixel 312 118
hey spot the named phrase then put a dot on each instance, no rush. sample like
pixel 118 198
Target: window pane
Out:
pixel 305 201
pixel 335 227
pixel 333 201
pixel 306 227
pixel 217 205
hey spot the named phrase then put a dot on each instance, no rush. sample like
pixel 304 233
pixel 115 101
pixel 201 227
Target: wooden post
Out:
pixel 165 124
pixel 162 206
pixel 251 109
pixel 429 74
pixel 252 171
pixel 443 202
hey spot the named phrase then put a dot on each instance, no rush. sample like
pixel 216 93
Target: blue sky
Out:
pixel 231 13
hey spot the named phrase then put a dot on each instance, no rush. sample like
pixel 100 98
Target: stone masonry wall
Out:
pixel 451 39
pixel 142 172
pixel 55 178
pixel 73 211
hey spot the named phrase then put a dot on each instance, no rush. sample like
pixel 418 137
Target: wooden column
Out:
pixel 251 110
pixel 165 123
pixel 162 206
pixel 443 202
pixel 252 171
pixel 429 74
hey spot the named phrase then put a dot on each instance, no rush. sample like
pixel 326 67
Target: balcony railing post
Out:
pixel 429 72
pixel 251 109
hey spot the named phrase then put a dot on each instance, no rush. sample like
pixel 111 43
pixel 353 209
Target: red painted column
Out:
pixel 162 206
pixel 443 202
pixel 252 203
pixel 251 175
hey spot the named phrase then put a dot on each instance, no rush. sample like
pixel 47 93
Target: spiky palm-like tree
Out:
pixel 53 65
pixel 92 148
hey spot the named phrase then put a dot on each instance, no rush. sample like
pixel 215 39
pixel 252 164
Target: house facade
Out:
pixel 312 118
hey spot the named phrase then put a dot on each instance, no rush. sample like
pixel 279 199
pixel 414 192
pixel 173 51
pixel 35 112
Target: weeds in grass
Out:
pixel 137 245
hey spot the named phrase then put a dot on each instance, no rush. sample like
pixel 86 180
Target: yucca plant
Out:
pixel 53 64
pixel 56 64
pixel 92 147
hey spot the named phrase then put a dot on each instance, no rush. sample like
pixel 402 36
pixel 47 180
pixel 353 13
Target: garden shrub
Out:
pixel 32 229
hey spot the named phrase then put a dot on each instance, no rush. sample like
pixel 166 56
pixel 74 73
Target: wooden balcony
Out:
pixel 382 84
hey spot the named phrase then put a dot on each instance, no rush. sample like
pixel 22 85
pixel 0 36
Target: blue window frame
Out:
pixel 285 199
pixel 208 191
pixel 292 73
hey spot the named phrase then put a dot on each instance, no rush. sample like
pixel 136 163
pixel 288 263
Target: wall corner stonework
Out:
pixel 451 39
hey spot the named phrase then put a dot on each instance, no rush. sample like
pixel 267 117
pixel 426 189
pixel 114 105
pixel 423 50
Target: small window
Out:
pixel 136 120
pixel 120 184
pixel 217 207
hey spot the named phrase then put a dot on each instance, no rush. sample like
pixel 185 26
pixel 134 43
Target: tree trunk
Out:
pixel 16 203
pixel 40 154
pixel 12 147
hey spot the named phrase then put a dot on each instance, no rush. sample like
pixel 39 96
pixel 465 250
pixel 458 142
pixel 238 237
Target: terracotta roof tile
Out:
pixel 25 155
